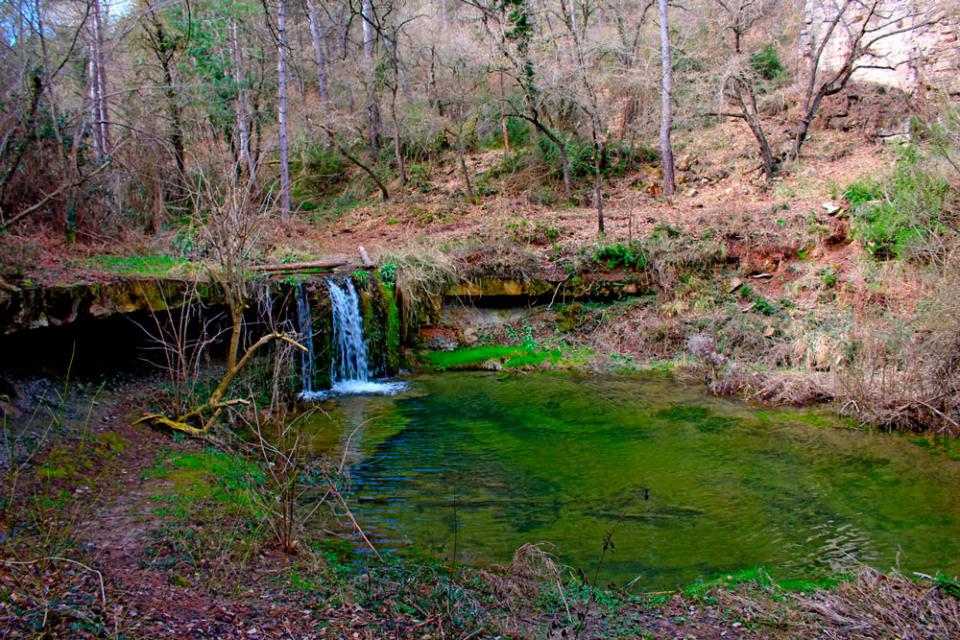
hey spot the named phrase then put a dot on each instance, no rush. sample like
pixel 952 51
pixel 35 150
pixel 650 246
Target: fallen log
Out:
pixel 300 266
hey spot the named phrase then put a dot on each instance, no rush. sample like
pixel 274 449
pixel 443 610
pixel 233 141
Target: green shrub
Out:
pixel 318 168
pixel 623 158
pixel 419 175
pixel 579 155
pixel 388 273
pixel 620 255
pixel 896 216
pixel 760 303
pixel 766 63
pixel 518 132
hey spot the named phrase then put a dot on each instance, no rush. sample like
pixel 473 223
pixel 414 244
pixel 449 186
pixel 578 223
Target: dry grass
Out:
pixel 870 606
pixel 905 368
pixel 877 606
pixel 423 272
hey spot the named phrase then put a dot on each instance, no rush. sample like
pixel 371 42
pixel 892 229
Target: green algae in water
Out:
pixel 512 356
pixel 692 486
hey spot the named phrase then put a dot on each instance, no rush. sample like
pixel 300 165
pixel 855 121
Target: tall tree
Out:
pixel 592 107
pixel 513 20
pixel 666 107
pixel 164 49
pixel 316 36
pixel 369 61
pixel 243 131
pixel 866 24
pixel 98 79
pixel 285 204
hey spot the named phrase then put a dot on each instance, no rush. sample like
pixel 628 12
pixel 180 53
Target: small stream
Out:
pixel 691 486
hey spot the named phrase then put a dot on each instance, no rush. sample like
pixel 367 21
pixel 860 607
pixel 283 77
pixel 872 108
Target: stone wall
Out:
pixel 920 56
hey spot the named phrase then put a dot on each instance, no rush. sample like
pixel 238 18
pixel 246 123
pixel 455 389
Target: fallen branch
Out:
pixel 300 266
pixel 215 402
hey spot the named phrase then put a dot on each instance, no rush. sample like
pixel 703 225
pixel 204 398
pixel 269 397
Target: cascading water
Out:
pixel 349 370
pixel 350 357
pixel 306 339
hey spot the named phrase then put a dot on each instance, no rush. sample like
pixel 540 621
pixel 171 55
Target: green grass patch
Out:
pixel 152 266
pixel 949 585
pixel 819 418
pixel 757 577
pixel 939 445
pixel 511 357
pixel 209 476
pixel 71 463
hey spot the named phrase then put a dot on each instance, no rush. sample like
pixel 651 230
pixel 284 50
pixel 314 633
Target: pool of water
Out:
pixel 689 485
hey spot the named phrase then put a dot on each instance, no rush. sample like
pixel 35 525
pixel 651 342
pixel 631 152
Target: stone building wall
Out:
pixel 920 57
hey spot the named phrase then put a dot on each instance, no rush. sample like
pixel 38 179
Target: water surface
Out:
pixel 691 486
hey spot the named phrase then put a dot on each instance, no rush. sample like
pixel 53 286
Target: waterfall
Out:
pixel 306 339
pixel 350 356
pixel 349 369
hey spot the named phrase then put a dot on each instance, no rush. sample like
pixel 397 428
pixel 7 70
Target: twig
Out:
pixel 103 591
pixel 333 490
pixel 50 196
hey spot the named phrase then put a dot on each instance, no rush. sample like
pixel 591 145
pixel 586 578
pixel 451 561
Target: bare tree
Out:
pixel 866 24
pixel 509 26
pixel 316 37
pixel 98 82
pixel 666 107
pixel 245 156
pixel 739 82
pixel 285 204
pixel 592 107
pixel 369 60
pixel 863 24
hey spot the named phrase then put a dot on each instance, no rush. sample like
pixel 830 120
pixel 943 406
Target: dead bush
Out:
pixel 421 274
pixel 876 605
pixel 497 258
pixel 904 369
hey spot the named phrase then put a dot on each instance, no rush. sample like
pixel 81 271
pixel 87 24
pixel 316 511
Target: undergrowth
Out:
pixel 903 214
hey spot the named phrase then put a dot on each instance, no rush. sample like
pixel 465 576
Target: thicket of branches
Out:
pixel 111 112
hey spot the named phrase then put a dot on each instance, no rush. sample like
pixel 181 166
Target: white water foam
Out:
pixel 355 388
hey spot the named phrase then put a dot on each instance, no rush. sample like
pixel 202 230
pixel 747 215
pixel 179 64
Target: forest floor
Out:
pixel 119 531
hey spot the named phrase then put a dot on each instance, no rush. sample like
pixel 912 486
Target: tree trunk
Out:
pixel 565 169
pixel 103 117
pixel 317 37
pixel 397 144
pixel 598 187
pixel 756 127
pixel 666 113
pixel 503 117
pixel 384 194
pixel 373 103
pixel 461 156
pixel 98 146
pixel 434 94
pixel 244 133
pixel 164 51
pixel 36 88
pixel 285 205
